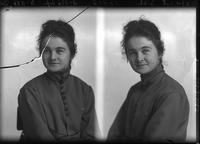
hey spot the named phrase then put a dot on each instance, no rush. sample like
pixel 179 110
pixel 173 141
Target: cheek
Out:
pixel 131 59
pixel 45 58
pixel 45 61
pixel 132 63
pixel 65 58
pixel 69 56
pixel 153 59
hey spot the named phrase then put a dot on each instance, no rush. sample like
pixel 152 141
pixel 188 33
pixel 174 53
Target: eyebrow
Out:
pixel 146 47
pixel 60 48
pixel 133 50
pixel 56 48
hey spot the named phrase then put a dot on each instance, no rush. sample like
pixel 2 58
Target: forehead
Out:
pixel 54 42
pixel 139 42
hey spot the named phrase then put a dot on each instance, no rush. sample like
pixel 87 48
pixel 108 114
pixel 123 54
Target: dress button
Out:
pixel 62 93
pixel 63 97
pixel 66 109
pixel 65 103
pixel 62 89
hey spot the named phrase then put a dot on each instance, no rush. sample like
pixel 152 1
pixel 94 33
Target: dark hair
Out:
pixel 60 29
pixel 144 28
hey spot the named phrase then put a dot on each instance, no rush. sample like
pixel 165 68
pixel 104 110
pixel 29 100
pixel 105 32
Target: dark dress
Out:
pixel 156 109
pixel 56 107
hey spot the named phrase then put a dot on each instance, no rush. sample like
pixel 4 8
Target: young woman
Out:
pixel 56 106
pixel 156 108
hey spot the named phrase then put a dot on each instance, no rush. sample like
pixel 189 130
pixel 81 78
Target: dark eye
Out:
pixel 46 51
pixel 59 51
pixel 130 53
pixel 145 51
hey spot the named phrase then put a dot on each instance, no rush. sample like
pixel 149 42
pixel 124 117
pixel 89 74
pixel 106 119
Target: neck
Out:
pixel 154 72
pixel 60 75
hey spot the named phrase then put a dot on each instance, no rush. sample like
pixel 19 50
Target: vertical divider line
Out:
pixel 100 35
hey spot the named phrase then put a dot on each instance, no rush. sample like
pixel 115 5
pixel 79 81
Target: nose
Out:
pixel 140 56
pixel 53 55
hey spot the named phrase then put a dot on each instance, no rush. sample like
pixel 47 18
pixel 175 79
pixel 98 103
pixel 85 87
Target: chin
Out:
pixel 142 71
pixel 54 70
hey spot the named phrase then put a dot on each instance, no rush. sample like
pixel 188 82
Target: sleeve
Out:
pixel 32 116
pixel 117 130
pixel 89 124
pixel 169 121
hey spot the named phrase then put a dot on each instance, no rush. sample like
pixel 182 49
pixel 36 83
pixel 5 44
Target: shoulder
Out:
pixel 171 85
pixel 83 90
pixel 135 86
pixel 133 89
pixel 29 91
pixel 79 83
pixel 171 90
pixel 34 82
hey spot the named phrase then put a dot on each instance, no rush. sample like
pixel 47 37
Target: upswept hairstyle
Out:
pixel 144 28
pixel 60 29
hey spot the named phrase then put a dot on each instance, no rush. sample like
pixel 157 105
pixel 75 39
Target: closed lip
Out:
pixel 139 65
pixel 53 63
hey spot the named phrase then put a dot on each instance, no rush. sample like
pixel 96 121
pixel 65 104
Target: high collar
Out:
pixel 59 77
pixel 149 77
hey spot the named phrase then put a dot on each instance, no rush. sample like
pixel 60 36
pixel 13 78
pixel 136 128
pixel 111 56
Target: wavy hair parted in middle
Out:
pixel 144 28
pixel 60 29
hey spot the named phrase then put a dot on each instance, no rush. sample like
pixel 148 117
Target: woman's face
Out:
pixel 142 54
pixel 56 56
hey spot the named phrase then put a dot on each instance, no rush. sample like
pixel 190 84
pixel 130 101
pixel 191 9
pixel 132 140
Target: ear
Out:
pixel 160 56
pixel 71 57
